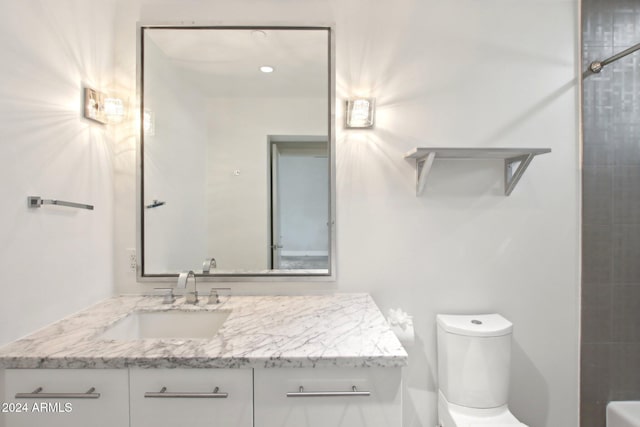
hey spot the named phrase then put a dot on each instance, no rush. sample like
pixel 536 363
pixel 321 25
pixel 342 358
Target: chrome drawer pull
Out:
pixel 354 392
pixel 38 394
pixel 189 394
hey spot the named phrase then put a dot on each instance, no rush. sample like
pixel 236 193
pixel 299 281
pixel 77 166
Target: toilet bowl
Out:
pixel 474 357
pixel 460 416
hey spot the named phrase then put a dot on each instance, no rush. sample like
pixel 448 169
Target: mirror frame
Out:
pixel 275 275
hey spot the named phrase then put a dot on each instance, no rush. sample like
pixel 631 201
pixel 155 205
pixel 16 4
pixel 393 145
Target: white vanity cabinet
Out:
pixel 136 397
pixel 328 397
pixel 65 397
pixel 191 397
pixel 309 379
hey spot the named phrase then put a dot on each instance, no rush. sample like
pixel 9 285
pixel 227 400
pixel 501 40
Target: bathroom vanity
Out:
pixel 326 360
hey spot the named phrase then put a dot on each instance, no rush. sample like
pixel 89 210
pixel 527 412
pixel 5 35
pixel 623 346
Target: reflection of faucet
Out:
pixel 208 264
pixel 183 278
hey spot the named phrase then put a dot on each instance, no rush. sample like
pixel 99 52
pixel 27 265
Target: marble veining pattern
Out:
pixel 338 330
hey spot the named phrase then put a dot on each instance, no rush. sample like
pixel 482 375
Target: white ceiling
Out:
pixel 226 62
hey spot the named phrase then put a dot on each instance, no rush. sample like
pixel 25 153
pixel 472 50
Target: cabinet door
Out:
pixel 189 399
pixel 328 397
pixel 64 399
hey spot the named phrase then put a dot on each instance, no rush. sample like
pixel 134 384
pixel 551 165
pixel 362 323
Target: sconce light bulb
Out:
pixel 360 113
pixel 266 69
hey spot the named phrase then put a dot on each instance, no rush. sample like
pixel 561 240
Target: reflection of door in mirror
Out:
pixel 299 195
pixel 209 161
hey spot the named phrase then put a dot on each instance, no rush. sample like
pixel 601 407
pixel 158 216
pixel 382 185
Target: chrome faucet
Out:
pixel 183 278
pixel 208 264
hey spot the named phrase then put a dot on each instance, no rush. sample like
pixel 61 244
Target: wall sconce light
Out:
pixel 94 105
pixel 99 108
pixel 360 113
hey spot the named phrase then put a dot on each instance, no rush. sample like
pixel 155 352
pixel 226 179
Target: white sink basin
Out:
pixel 167 324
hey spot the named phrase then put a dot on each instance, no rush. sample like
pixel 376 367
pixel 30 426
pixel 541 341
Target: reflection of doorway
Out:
pixel 299 188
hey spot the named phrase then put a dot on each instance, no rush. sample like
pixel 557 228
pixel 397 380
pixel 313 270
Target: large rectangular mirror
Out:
pixel 236 153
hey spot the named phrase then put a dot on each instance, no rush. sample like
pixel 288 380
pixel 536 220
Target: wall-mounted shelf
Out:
pixel 516 161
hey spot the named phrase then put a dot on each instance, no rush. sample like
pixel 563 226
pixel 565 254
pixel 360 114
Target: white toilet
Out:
pixel 474 356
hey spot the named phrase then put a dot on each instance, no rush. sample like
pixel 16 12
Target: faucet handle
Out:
pixel 167 293
pixel 214 296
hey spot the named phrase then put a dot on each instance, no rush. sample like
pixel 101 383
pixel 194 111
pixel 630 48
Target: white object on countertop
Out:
pixel 402 325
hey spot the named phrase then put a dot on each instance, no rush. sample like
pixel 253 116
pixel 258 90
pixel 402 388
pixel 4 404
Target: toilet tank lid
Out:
pixel 480 325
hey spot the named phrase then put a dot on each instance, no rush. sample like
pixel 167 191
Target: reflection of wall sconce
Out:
pixel 360 113
pixel 114 109
pixel 148 122
pixel 99 108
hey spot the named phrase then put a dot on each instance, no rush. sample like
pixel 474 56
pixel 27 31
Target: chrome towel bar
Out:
pixel 37 201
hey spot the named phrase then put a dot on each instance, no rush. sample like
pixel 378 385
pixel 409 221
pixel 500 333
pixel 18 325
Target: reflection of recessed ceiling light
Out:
pixel 266 69
pixel 258 34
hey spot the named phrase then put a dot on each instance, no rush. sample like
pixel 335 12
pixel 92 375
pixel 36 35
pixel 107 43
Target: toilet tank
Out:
pixel 474 357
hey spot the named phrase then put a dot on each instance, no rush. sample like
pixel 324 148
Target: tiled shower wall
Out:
pixel 610 366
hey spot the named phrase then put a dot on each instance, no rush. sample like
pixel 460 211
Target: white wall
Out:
pixel 445 73
pixel 174 167
pixel 239 228
pixel 54 260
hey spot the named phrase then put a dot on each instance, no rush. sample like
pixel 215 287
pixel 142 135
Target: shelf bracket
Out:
pixel 514 168
pixel 423 167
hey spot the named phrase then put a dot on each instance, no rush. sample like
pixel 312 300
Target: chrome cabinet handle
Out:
pixel 354 392
pixel 188 394
pixel 38 394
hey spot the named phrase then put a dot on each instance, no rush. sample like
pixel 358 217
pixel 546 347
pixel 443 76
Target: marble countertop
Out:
pixel 337 330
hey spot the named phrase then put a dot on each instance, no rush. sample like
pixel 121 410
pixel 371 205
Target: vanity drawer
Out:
pixel 190 397
pixel 328 397
pixel 65 397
